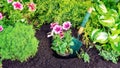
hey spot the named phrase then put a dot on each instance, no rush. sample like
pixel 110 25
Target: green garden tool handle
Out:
pixel 87 15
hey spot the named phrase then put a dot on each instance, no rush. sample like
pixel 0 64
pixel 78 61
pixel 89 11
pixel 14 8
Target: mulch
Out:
pixel 45 57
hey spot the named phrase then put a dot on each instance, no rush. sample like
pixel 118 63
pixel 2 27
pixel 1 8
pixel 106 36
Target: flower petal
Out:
pixel 66 25
pixel 57 29
pixel 17 5
pixel 1 16
pixel 1 28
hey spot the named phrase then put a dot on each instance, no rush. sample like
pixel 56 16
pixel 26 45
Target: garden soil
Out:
pixel 46 58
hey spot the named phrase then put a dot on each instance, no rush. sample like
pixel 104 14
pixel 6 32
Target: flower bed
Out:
pixel 19 19
pixel 46 58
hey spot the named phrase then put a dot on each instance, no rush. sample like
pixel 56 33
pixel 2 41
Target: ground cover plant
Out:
pixel 60 10
pixel 18 42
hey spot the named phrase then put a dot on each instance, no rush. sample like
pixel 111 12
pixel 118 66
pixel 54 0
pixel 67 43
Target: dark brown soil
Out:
pixel 45 58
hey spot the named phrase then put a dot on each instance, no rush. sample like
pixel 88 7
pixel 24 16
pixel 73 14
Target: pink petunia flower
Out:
pixel 53 24
pixel 57 29
pixel 1 16
pixel 61 35
pixel 17 5
pixel 32 7
pixel 9 1
pixel 66 25
pixel 1 28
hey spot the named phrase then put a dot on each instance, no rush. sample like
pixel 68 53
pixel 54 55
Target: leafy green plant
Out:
pixel 18 42
pixel 99 36
pixel 108 54
pixel 106 21
pixel 100 7
pixel 62 46
pixel 61 10
pixel 84 55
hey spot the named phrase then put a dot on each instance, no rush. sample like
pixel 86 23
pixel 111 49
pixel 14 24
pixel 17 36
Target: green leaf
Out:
pixel 116 46
pixel 98 47
pixel 86 57
pixel 101 8
pixel 107 21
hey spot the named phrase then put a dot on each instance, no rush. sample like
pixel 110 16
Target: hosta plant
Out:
pixel 107 21
pixel 17 42
pixel 100 7
pixel 99 36
pixel 107 35
pixel 62 39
